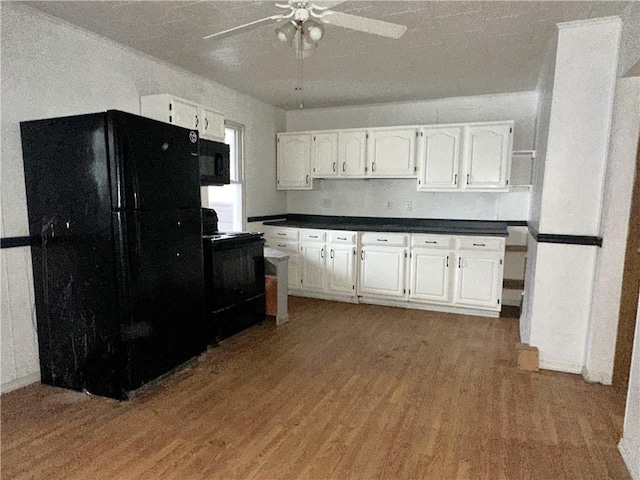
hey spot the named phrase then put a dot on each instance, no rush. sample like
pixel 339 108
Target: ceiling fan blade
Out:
pixel 244 28
pixel 362 24
pixel 324 4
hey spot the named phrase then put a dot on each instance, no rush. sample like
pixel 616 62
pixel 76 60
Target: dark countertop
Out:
pixel 494 228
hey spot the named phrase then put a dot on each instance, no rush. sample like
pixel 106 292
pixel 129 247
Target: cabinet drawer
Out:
pixel 283 233
pixel 432 241
pixel 310 235
pixel 342 237
pixel 485 244
pixel 282 245
pixel 390 239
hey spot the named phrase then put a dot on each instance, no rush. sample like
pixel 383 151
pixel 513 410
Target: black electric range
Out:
pixel 234 279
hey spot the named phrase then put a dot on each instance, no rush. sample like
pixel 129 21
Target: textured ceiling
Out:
pixel 451 48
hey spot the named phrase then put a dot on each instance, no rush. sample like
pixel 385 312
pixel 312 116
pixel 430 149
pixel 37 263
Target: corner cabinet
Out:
pixel 183 113
pixel 294 161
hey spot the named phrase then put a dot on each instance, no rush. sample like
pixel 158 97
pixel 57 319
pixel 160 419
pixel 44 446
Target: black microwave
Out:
pixel 214 163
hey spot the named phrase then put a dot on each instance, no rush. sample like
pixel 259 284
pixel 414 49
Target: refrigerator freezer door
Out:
pixel 164 291
pixel 67 186
pixel 155 165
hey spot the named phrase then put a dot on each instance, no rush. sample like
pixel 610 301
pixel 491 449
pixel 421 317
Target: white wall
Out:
pixel 545 96
pixel 630 42
pixel 629 445
pixel 605 304
pixel 372 197
pixel 50 68
pixel 579 128
pixel 576 119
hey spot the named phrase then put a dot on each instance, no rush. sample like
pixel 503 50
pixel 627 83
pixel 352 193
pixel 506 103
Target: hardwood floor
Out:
pixel 342 391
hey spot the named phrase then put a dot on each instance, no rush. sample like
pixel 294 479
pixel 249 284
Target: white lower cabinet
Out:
pixel 341 269
pixel 478 279
pixel 430 275
pixel 312 266
pixel 449 272
pixel 325 260
pixel 286 240
pixel 383 258
pixel 382 271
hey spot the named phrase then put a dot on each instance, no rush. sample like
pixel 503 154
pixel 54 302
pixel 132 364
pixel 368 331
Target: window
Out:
pixel 227 200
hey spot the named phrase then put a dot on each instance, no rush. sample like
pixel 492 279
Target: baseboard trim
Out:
pixel 631 459
pixel 19 382
pixel 397 303
pixel 602 377
pixel 561 367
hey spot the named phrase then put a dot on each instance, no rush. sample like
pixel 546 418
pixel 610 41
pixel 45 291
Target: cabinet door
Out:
pixel 487 157
pixel 324 154
pixel 212 125
pixel 352 153
pixel 430 274
pixel 341 268
pixel 185 114
pixel 294 161
pixel 392 152
pixel 439 158
pixel 312 266
pixel 382 271
pixel 291 248
pixel 478 280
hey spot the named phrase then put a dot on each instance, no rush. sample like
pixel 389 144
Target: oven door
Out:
pixel 234 286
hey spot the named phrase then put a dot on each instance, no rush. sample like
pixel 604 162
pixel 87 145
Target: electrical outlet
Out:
pixel 326 203
pixel 408 206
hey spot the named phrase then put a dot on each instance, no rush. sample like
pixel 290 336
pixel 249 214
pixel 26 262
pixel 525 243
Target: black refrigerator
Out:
pixel 115 222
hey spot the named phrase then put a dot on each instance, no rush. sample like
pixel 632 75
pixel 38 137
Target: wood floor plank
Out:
pixel 342 391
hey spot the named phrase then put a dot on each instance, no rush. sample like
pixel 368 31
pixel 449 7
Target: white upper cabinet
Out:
pixel 212 126
pixel 391 152
pixel 324 154
pixel 177 111
pixel 294 161
pixel 183 114
pixel 352 153
pixel 439 151
pixel 457 157
pixel 487 156
pixel 465 157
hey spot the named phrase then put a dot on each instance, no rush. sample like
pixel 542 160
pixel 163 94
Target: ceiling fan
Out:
pixel 306 20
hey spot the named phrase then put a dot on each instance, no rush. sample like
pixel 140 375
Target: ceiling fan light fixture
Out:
pixel 286 32
pixel 313 31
